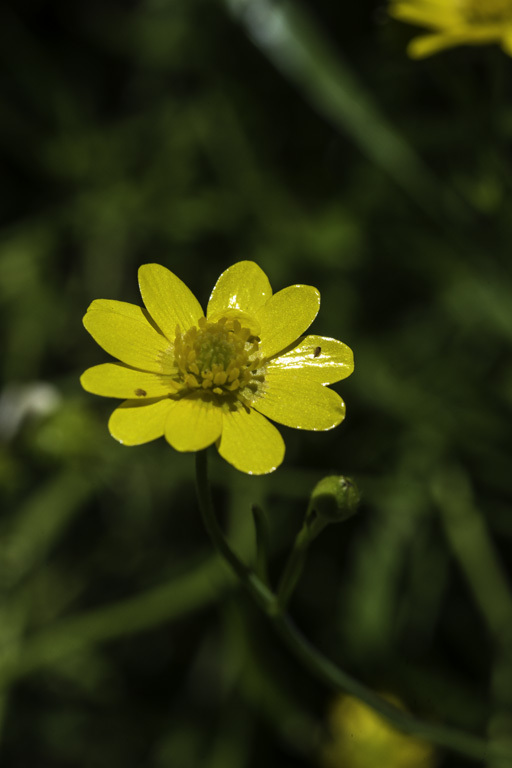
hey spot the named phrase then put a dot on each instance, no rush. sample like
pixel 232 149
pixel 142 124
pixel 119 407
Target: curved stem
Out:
pixel 337 679
pixel 313 525
pixel 259 591
pixel 294 567
pixel 321 667
pixel 262 543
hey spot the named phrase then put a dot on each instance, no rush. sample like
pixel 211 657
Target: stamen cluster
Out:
pixel 220 357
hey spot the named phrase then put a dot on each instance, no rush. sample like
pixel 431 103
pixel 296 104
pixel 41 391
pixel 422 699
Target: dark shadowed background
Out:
pixel 194 134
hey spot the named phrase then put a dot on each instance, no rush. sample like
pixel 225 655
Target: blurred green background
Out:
pixel 196 133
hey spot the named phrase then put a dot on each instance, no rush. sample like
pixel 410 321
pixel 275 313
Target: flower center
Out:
pixel 220 357
pixel 487 11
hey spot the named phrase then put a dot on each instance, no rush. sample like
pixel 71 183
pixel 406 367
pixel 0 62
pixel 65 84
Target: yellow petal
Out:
pixel 249 442
pixel 317 358
pixel 434 15
pixel 168 300
pixel 480 35
pixel 243 287
pixel 124 331
pixel 194 424
pixel 298 402
pixel 506 41
pixel 286 316
pixel 135 422
pixel 427 45
pixel 118 380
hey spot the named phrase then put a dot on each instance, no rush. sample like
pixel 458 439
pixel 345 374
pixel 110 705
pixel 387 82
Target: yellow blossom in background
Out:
pixel 360 738
pixel 456 22
pixel 199 380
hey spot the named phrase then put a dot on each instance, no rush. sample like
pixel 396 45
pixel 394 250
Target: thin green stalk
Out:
pixel 294 567
pixel 262 543
pixel 321 667
pixel 478 559
pixel 288 36
pixel 314 524
pixel 256 587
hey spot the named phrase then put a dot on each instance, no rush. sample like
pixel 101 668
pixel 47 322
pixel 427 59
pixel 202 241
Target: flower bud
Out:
pixel 334 499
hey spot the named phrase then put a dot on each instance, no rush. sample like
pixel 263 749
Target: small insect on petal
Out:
pixel 140 392
pixel 317 351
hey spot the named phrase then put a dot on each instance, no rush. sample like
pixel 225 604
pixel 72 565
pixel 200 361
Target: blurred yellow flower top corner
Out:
pixel 199 380
pixel 455 22
pixel 361 738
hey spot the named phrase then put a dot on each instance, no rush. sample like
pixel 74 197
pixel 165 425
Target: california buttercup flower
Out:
pixel 201 380
pixel 456 22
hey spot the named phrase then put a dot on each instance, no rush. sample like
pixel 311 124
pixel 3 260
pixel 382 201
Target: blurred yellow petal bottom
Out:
pixel 435 15
pixel 427 45
pixel 360 738
pixel 506 42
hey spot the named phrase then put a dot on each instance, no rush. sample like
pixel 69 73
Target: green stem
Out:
pixel 262 543
pixel 323 669
pixel 259 591
pixel 313 525
pixel 293 568
pixel 336 678
pixel 474 549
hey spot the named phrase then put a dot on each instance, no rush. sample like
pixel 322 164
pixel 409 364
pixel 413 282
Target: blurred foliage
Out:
pixel 195 133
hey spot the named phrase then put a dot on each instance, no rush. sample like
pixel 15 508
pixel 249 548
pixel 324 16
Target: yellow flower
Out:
pixel 363 739
pixel 456 22
pixel 201 380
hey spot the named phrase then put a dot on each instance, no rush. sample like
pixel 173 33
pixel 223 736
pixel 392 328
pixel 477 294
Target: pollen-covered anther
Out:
pixel 220 357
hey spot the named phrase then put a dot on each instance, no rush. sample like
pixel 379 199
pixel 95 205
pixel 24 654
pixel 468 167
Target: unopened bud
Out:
pixel 334 499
